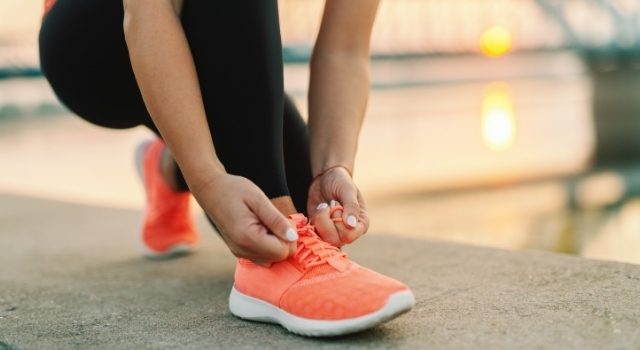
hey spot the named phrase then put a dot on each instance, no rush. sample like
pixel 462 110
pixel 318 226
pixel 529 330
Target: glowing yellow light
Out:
pixel 495 41
pixel 498 121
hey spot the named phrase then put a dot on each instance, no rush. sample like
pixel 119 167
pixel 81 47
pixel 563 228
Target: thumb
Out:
pixel 351 212
pixel 272 219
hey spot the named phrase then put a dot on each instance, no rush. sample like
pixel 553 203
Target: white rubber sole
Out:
pixel 253 309
pixel 174 251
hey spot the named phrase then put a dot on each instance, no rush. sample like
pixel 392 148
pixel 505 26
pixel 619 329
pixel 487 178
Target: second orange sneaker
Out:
pixel 168 229
pixel 318 292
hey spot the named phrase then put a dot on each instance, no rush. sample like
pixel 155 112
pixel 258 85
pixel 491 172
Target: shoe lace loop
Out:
pixel 313 251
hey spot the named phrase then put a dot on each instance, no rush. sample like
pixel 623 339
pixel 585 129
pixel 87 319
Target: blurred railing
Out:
pixel 404 27
pixel 455 26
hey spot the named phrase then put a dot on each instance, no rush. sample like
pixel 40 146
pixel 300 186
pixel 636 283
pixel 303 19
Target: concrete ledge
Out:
pixel 71 277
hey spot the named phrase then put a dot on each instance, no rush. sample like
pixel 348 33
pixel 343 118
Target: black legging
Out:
pixel 237 51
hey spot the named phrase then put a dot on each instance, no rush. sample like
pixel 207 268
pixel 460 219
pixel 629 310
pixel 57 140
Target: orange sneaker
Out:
pixel 168 229
pixel 318 292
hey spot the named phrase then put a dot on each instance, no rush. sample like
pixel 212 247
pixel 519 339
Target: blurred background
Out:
pixel 502 123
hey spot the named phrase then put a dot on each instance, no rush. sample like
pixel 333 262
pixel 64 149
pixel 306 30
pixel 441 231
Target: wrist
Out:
pixel 331 148
pixel 333 167
pixel 318 167
pixel 199 175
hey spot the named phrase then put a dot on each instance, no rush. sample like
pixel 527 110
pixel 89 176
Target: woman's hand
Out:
pixel 250 225
pixel 336 186
pixel 339 86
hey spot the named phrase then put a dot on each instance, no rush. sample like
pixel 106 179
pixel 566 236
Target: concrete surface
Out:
pixel 71 278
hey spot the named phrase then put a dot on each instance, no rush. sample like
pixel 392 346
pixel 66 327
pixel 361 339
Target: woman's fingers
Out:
pixel 329 224
pixel 254 242
pixel 351 212
pixel 325 227
pixel 279 245
pixel 271 217
pixel 346 233
pixel 364 217
pixel 353 220
pixel 249 223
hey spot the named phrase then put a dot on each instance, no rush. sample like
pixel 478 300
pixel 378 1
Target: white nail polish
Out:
pixel 323 206
pixel 333 203
pixel 351 221
pixel 291 235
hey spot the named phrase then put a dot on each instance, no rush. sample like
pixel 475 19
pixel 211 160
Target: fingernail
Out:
pixel 291 235
pixel 351 221
pixel 333 203
pixel 323 206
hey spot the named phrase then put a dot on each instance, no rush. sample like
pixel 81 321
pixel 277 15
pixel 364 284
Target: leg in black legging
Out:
pixel 297 160
pixel 238 55
pixel 237 51
pixel 84 56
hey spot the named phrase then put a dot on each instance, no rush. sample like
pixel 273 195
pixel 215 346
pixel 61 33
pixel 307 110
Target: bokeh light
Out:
pixel 495 41
pixel 498 120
